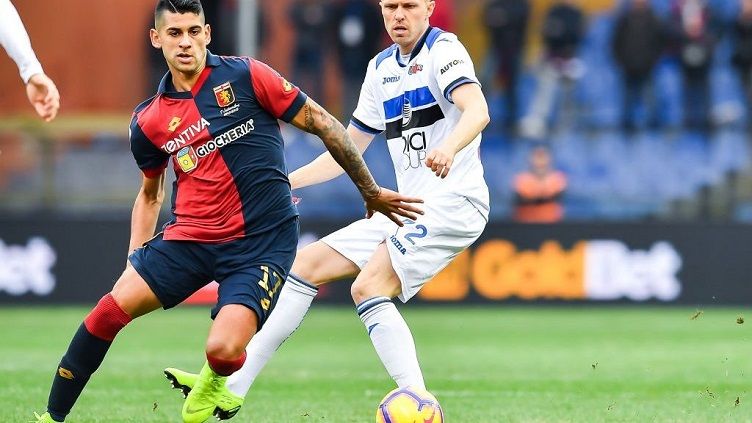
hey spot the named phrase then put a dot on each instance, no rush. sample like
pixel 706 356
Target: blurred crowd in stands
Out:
pixel 635 110
pixel 680 38
pixel 536 70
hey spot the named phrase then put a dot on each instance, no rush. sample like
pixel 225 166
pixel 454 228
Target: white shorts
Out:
pixel 420 249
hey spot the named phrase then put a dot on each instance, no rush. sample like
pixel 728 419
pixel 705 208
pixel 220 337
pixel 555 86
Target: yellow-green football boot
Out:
pixel 206 395
pixel 44 418
pixel 181 380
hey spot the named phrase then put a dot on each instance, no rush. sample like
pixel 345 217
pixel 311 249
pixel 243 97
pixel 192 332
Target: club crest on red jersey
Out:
pixel 224 95
pixel 286 85
pixel 186 159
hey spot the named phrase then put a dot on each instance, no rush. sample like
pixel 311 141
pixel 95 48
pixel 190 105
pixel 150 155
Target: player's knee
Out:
pixel 301 271
pixel 224 349
pixel 305 270
pixel 106 319
pixel 318 264
pixel 362 290
pixel 365 288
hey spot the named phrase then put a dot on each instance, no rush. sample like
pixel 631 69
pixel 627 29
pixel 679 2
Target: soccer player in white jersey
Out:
pixel 40 89
pixel 423 93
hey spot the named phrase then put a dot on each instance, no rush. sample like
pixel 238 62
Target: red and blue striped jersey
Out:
pixel 224 141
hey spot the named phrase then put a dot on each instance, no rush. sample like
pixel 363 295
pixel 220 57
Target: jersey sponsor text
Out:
pixel 185 136
pixel 451 64
pixel 225 138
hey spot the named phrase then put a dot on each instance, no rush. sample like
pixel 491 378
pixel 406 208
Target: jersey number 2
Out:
pixel 422 232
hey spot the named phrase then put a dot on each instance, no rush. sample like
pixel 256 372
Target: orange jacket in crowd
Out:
pixel 539 196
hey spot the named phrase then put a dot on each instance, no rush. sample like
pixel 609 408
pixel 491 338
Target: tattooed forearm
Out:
pixel 308 117
pixel 342 148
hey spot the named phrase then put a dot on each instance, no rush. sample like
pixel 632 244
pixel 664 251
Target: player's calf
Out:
pixel 84 355
pixel 392 340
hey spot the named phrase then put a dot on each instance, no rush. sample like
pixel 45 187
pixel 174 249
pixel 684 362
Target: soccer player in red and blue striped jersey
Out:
pixel 216 119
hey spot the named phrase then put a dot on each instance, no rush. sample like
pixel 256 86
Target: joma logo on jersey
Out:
pixel 390 79
pixel 173 125
pixel 185 136
pixel 187 159
pixel 414 69
pixel 450 65
pixel 224 95
pixel 398 244
pixel 226 138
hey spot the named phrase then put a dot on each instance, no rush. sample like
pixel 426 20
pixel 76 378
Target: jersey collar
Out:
pixel 168 90
pixel 418 46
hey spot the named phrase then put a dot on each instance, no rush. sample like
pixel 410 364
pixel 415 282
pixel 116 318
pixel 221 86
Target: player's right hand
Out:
pixel 44 96
pixel 392 205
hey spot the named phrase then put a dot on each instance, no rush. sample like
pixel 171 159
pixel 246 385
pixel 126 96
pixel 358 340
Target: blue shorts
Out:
pixel 250 271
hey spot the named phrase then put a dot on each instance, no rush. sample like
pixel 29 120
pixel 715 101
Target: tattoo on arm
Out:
pixel 308 118
pixel 344 151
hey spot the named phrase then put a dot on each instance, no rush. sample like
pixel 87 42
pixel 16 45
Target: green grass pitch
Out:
pixel 485 364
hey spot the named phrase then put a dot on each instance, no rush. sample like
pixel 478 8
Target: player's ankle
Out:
pixel 225 366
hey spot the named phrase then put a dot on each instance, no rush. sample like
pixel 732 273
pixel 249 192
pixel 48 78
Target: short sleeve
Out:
pixel 452 65
pixel 151 160
pixel 367 116
pixel 275 94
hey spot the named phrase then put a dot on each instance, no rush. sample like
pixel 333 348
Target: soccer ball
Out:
pixel 409 405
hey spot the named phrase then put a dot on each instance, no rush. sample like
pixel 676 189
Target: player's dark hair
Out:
pixel 178 6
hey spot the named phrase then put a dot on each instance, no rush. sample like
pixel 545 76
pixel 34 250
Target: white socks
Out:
pixel 389 334
pixel 294 300
pixel 392 339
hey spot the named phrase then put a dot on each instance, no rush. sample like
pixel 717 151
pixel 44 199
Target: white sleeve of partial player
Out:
pixel 452 65
pixel 366 116
pixel 15 41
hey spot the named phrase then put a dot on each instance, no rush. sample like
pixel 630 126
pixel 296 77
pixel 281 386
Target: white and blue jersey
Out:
pixel 412 103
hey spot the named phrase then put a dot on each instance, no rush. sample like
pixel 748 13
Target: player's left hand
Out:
pixel 393 205
pixel 44 96
pixel 440 161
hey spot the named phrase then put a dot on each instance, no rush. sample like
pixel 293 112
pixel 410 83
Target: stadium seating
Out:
pixel 611 175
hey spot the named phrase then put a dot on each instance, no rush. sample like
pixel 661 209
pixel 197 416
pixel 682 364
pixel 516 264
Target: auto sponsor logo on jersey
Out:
pixel 186 159
pixel 173 125
pixel 224 95
pixel 445 68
